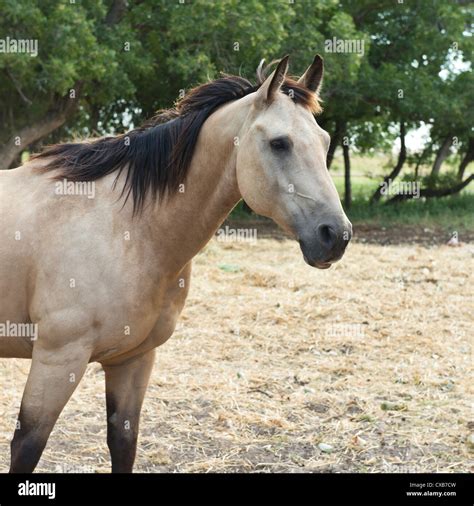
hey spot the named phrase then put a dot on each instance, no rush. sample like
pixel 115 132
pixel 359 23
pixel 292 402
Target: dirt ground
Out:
pixel 277 367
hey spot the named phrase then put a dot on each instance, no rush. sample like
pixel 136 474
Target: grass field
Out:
pixel 450 213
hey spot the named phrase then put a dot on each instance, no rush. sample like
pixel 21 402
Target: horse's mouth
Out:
pixel 325 251
pixel 318 265
pixel 323 265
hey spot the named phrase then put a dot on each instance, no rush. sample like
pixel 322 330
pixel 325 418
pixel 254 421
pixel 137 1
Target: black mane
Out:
pixel 158 154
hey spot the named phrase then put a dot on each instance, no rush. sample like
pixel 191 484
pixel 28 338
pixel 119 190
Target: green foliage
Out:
pixel 74 46
pixel 444 180
pixel 143 62
pixel 451 213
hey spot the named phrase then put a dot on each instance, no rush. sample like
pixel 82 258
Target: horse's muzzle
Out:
pixel 326 245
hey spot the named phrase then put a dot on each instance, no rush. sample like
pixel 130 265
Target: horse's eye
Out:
pixel 280 144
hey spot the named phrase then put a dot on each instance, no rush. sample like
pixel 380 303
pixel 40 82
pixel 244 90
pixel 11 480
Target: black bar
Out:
pixel 239 489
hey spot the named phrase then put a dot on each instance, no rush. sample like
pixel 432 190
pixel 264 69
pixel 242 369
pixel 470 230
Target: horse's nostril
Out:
pixel 327 235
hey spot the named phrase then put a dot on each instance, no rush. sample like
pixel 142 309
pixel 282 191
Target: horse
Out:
pixel 102 276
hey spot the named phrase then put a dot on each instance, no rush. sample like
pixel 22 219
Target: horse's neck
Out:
pixel 190 218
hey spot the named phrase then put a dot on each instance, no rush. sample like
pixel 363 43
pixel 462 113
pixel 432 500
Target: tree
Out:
pixel 82 63
pixel 104 66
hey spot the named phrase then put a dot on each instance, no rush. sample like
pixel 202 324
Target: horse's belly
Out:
pixel 16 331
pixel 14 347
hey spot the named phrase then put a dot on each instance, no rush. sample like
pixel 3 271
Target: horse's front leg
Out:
pixel 125 384
pixel 53 377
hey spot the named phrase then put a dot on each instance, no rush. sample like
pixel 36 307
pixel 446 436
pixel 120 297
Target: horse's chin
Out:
pixel 318 265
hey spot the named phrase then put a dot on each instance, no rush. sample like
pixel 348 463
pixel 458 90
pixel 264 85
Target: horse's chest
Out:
pixel 164 311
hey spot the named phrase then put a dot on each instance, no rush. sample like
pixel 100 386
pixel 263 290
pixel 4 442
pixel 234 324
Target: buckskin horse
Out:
pixel 104 279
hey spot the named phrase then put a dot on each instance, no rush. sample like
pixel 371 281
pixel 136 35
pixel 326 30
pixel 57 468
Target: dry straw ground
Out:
pixel 277 367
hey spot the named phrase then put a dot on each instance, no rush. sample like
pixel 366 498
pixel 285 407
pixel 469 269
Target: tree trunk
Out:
pixel 441 155
pixel 398 167
pixel 347 176
pixel 467 159
pixel 10 153
pixel 57 116
pixel 335 140
pixel 116 12
pixel 419 161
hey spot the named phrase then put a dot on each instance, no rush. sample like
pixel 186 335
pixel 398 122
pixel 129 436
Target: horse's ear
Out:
pixel 313 77
pixel 267 92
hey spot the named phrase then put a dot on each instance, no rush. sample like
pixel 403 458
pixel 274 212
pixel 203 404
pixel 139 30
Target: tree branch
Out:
pixel 53 119
pixel 116 12
pixel 18 87
pixel 398 167
pixel 467 158
pixel 441 155
pixel 335 140
pixel 432 192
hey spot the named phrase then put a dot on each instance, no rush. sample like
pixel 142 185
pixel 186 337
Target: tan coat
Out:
pixel 103 285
